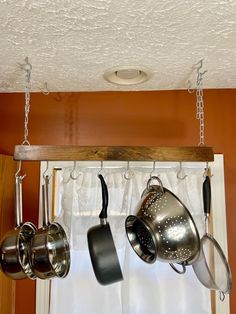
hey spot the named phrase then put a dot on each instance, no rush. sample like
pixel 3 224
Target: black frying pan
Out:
pixel 101 246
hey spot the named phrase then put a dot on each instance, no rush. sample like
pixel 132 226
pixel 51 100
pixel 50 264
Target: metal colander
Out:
pixel 163 228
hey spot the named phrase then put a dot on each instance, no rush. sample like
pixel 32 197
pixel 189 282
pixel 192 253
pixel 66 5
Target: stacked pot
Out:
pixel 30 253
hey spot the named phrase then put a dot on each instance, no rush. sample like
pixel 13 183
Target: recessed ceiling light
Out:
pixel 127 75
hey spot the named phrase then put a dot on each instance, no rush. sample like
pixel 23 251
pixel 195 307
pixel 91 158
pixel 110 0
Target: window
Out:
pixel 146 288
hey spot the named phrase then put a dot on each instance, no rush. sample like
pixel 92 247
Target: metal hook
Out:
pixel 17 174
pixel 27 66
pixel 101 168
pixel 128 174
pixel 198 65
pixel 189 87
pixel 45 89
pixel 222 296
pixel 179 172
pixel 45 175
pixel 153 170
pixel 207 171
pixel 73 172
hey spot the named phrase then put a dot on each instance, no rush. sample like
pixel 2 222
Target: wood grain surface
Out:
pixel 120 153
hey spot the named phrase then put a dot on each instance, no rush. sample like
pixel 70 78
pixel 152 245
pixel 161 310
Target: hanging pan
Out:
pixel 163 228
pixel 50 252
pixel 211 267
pixel 101 246
pixel 15 257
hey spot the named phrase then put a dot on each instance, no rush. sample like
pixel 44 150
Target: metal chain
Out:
pixel 28 68
pixel 200 105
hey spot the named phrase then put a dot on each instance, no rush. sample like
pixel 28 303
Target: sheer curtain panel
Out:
pixel 146 288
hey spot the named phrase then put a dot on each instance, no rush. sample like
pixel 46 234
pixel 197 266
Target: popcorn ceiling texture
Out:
pixel 71 43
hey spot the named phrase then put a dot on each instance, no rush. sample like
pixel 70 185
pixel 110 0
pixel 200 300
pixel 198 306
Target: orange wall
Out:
pixel 114 118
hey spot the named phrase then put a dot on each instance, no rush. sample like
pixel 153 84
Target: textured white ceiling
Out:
pixel 71 43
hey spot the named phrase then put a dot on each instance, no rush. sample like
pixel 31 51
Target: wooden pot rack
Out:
pixel 112 153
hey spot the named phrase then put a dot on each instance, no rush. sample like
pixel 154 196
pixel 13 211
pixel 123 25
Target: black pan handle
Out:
pixel 206 190
pixel 103 213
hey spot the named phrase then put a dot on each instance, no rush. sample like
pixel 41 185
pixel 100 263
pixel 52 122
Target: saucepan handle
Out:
pixel 206 190
pixel 18 200
pixel 45 200
pixel 181 272
pixel 103 213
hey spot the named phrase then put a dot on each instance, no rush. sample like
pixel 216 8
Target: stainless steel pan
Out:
pixel 15 257
pixel 50 251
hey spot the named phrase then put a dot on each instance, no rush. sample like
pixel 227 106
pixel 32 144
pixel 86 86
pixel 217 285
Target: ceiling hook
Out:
pixel 45 89
pixel 27 66
pixel 198 65
pixel 179 172
pixel 73 172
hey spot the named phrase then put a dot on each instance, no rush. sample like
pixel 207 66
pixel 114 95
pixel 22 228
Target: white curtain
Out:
pixel 146 288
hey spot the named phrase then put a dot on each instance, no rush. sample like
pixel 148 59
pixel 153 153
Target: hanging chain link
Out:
pixel 28 68
pixel 200 105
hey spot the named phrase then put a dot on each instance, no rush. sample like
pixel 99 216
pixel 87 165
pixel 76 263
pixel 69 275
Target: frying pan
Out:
pixel 211 267
pixel 50 252
pixel 15 259
pixel 101 246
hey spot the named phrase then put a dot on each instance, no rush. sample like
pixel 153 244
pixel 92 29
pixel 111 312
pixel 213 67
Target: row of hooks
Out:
pixel 127 174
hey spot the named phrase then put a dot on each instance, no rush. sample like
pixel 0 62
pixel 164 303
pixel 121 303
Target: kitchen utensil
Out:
pixel 14 249
pixel 163 228
pixel 211 267
pixel 50 251
pixel 101 246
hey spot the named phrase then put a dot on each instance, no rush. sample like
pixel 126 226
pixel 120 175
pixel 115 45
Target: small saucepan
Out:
pixel 50 251
pixel 15 259
pixel 101 246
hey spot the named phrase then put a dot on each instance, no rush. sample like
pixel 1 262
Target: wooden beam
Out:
pixel 119 153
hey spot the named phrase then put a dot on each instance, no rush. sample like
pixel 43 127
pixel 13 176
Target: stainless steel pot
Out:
pixel 15 259
pixel 50 251
pixel 163 228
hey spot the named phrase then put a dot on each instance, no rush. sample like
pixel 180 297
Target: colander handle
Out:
pixel 159 181
pixel 181 272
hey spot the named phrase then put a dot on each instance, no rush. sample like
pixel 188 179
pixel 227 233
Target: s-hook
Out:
pixel 17 174
pixel 207 171
pixel 153 170
pixel 45 174
pixel 128 173
pixel 179 172
pixel 73 172
pixel 101 168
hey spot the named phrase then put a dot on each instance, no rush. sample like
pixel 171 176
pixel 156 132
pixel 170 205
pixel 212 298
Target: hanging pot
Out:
pixel 101 246
pixel 15 259
pixel 163 228
pixel 50 251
